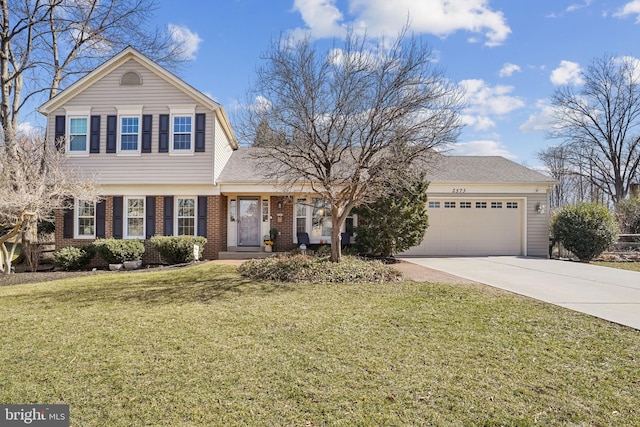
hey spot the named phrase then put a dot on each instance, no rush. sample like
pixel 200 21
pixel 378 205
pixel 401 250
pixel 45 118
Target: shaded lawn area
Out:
pixel 202 346
pixel 632 266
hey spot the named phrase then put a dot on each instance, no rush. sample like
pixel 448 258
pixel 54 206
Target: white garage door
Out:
pixel 473 227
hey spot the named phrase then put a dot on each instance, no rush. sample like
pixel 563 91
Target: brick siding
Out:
pixel 282 219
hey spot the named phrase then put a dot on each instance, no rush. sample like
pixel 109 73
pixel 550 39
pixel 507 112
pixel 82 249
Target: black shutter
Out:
pixel 117 217
pixel 168 216
pixel 200 131
pixel 101 216
pixel 112 132
pixel 59 135
pixel 147 123
pixel 202 216
pixel 151 216
pixel 163 141
pixel 67 223
pixel 94 145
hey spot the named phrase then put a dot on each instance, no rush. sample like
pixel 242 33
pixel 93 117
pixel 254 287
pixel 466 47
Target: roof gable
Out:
pixel 131 54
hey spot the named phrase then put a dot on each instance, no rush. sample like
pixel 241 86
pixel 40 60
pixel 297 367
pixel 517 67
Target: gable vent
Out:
pixel 131 78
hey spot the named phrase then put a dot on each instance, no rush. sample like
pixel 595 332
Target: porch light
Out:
pixel 541 208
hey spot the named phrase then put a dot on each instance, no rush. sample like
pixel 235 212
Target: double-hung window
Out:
pixel 301 216
pixel 77 126
pixel 85 219
pixel 186 216
pixel 134 217
pixel 78 134
pixel 129 120
pixel 320 218
pixel 182 131
pixel 129 132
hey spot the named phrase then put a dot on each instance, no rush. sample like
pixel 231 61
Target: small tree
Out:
pixel 586 229
pixel 628 214
pixel 394 222
pixel 34 181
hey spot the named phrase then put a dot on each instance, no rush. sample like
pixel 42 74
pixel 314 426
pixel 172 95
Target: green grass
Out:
pixel 632 266
pixel 202 346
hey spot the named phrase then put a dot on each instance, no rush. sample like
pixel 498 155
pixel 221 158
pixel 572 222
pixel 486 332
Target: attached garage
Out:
pixel 473 227
pixel 485 206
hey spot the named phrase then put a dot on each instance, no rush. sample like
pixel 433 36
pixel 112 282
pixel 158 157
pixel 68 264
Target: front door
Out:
pixel 249 221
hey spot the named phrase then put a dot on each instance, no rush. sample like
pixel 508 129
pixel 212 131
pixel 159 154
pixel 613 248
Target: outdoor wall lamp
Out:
pixel 541 208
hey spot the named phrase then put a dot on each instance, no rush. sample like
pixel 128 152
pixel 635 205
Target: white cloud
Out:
pixel 541 120
pixel 485 99
pixel 484 102
pixel 508 69
pixel 187 42
pixel 439 17
pixel 630 8
pixel 481 148
pixel 575 6
pixel 567 73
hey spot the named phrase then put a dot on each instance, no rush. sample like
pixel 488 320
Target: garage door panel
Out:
pixel 473 231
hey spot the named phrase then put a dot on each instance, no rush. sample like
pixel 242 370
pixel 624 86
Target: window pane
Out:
pixel 186 207
pixel 129 125
pixel 301 225
pixel 85 208
pixel 135 227
pixel 85 226
pixel 78 126
pixel 135 207
pixel 186 227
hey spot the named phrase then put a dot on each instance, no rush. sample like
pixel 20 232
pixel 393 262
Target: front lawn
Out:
pixel 202 346
pixel 632 266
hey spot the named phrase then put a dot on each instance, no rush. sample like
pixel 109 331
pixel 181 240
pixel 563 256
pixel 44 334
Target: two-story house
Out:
pixel 168 163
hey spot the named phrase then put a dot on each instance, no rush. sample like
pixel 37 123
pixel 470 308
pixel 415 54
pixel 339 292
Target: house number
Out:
pixel 459 190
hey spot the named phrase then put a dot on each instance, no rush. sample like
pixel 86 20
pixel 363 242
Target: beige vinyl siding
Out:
pixel 537 226
pixel 223 150
pixel 155 95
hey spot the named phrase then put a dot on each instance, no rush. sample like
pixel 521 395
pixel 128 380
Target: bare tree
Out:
pixel 34 181
pixel 346 122
pixel 599 125
pixel 46 44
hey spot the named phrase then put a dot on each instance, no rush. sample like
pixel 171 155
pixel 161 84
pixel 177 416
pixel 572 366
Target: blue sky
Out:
pixel 509 54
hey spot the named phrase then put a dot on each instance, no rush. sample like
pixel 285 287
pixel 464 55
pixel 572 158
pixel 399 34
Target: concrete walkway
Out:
pixel 604 292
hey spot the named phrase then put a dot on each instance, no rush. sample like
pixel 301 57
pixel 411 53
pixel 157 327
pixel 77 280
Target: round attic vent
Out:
pixel 131 78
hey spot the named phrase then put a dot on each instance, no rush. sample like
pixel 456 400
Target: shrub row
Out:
pixel 303 268
pixel 172 250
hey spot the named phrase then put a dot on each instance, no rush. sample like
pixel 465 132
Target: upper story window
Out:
pixel 182 135
pixel 129 119
pixel 77 135
pixel 85 212
pixel 129 132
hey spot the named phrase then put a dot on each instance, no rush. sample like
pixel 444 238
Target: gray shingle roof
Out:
pixel 242 168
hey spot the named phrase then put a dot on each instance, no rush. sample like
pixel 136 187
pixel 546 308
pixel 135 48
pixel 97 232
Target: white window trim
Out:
pixel 195 215
pixel 126 217
pixel 77 113
pixel 129 111
pixel 76 220
pixel 182 111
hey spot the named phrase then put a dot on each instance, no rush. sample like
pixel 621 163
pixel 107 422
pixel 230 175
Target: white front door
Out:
pixel 249 221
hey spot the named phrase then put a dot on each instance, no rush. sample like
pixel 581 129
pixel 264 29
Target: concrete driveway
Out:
pixel 608 293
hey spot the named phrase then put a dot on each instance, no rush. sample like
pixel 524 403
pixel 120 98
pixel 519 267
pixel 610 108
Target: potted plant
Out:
pixel 268 243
